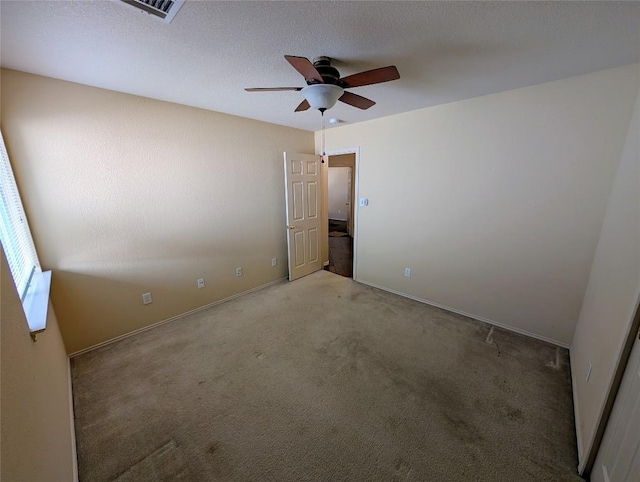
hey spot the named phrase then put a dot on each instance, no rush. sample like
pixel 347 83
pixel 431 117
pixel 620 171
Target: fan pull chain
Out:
pixel 323 143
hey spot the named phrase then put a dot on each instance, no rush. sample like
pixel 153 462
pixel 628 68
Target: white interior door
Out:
pixel 618 458
pixel 302 194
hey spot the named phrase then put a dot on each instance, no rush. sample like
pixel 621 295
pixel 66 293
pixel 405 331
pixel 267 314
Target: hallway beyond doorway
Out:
pixel 340 249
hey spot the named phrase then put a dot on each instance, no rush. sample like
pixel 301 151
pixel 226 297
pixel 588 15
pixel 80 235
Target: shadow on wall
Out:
pixel 116 213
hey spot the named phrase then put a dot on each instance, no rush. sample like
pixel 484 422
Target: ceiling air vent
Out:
pixel 164 10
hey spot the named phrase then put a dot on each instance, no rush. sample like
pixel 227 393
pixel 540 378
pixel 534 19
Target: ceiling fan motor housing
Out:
pixel 329 74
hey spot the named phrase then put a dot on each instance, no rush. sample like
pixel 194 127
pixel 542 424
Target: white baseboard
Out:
pixel 174 318
pixel 469 315
pixel 399 293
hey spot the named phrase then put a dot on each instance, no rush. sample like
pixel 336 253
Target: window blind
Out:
pixel 14 229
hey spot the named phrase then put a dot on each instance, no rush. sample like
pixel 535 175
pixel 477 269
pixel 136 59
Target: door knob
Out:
pixel 291 226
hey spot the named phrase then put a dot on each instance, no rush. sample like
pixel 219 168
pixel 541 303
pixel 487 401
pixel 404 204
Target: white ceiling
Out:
pixel 445 51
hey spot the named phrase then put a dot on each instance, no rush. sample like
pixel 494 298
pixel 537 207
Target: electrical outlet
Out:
pixel 146 298
pixel 274 261
pixel 589 370
pixel 407 272
pixel 200 283
pixel 238 271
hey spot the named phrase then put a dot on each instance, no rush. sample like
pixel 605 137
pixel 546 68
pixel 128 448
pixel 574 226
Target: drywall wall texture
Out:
pixel 496 202
pixel 36 415
pixel 612 295
pixel 127 195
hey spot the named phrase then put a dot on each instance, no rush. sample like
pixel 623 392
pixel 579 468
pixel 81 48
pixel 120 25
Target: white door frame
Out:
pixel 614 390
pixel 355 180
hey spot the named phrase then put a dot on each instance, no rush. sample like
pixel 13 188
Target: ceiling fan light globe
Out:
pixel 322 96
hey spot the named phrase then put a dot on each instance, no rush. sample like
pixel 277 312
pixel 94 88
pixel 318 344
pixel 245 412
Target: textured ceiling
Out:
pixel 445 51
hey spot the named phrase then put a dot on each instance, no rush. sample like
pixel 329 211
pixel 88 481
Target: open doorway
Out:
pixel 340 211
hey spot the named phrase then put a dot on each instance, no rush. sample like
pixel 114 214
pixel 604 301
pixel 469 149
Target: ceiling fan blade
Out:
pixel 274 89
pixel 375 76
pixel 356 100
pixel 304 105
pixel 305 67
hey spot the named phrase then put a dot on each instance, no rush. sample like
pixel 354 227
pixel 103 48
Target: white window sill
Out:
pixel 36 302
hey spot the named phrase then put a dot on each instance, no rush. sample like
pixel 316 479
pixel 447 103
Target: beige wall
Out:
pixel 127 195
pixel 612 295
pixel 342 160
pixel 496 202
pixel 35 420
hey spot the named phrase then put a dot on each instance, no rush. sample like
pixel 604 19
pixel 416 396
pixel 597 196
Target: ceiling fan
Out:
pixel 325 86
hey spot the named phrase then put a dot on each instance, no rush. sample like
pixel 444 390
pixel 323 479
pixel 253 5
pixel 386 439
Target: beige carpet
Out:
pixel 324 379
pixel 165 463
